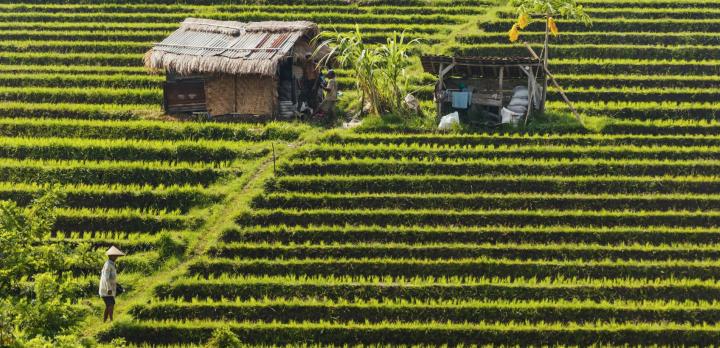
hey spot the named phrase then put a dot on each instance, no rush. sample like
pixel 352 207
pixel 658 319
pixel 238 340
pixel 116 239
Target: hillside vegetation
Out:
pixel 605 235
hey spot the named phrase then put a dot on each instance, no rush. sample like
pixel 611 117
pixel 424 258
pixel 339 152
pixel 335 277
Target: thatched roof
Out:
pixel 211 46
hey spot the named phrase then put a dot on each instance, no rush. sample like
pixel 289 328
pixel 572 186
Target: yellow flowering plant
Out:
pixel 547 10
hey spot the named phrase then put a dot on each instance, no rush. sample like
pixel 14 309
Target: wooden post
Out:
pixel 531 92
pixel 500 85
pixel 552 78
pixel 273 152
pixel 546 56
pixel 441 84
pixel 532 84
pixel 438 89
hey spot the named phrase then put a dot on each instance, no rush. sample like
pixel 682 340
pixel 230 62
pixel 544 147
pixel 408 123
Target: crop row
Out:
pixel 609 51
pixel 73 46
pixel 656 127
pixel 513 251
pixel 650 67
pixel 128 236
pixel 650 3
pixel 85 80
pixel 433 3
pixel 663 81
pixel 113 172
pixel 387 217
pixel 642 13
pixel 254 16
pixel 181 198
pixel 81 95
pixel 498 152
pixel 76 69
pixel 51 58
pixel 475 267
pixel 471 311
pixel 434 334
pixel 146 130
pixel 75 110
pixel 130 242
pixel 495 183
pixel 127 150
pixel 463 234
pixel 455 201
pixel 88 8
pixel 515 139
pixel 444 288
pixel 127 220
pixel 85 35
pixel 537 139
pixel 501 167
pixel 189 10
pixel 616 25
pixel 597 37
pixel 166 27
pixel 656 110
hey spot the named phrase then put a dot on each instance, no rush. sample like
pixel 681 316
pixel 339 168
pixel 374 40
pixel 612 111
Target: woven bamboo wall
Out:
pixel 220 94
pixel 256 95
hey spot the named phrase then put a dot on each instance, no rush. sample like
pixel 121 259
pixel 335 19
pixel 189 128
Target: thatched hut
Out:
pixel 233 68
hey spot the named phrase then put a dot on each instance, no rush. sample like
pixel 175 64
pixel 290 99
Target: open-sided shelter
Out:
pixel 485 82
pixel 228 67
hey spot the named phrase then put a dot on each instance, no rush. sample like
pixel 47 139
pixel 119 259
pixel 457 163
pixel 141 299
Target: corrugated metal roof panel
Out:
pixel 256 45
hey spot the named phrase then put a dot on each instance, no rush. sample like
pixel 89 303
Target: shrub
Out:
pixel 223 338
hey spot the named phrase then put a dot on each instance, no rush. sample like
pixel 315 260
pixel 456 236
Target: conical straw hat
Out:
pixel 114 251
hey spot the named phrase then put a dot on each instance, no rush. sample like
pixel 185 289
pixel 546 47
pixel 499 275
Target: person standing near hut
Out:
pixel 108 282
pixel 331 95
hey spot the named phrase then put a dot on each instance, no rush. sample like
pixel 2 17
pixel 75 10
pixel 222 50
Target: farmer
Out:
pixel 331 96
pixel 108 282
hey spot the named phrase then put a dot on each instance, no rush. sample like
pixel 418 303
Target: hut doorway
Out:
pixel 287 89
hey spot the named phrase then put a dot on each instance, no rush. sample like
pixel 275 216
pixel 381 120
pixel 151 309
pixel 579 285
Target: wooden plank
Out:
pixel 500 84
pixel 562 92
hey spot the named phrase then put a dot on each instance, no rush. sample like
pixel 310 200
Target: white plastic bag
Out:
pixel 447 121
pixel 509 116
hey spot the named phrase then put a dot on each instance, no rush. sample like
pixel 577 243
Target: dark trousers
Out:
pixel 309 93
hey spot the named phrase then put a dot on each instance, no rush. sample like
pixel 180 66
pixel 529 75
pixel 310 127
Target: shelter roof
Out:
pixel 431 64
pixel 212 46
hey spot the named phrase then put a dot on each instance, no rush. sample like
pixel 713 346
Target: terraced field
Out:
pixel 132 184
pixel 85 58
pixel 555 239
pixel 430 239
pixel 639 59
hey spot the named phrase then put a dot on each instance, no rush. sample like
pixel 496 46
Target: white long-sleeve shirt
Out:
pixel 108 279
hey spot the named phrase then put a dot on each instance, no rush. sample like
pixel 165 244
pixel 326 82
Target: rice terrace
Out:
pixel 359 173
